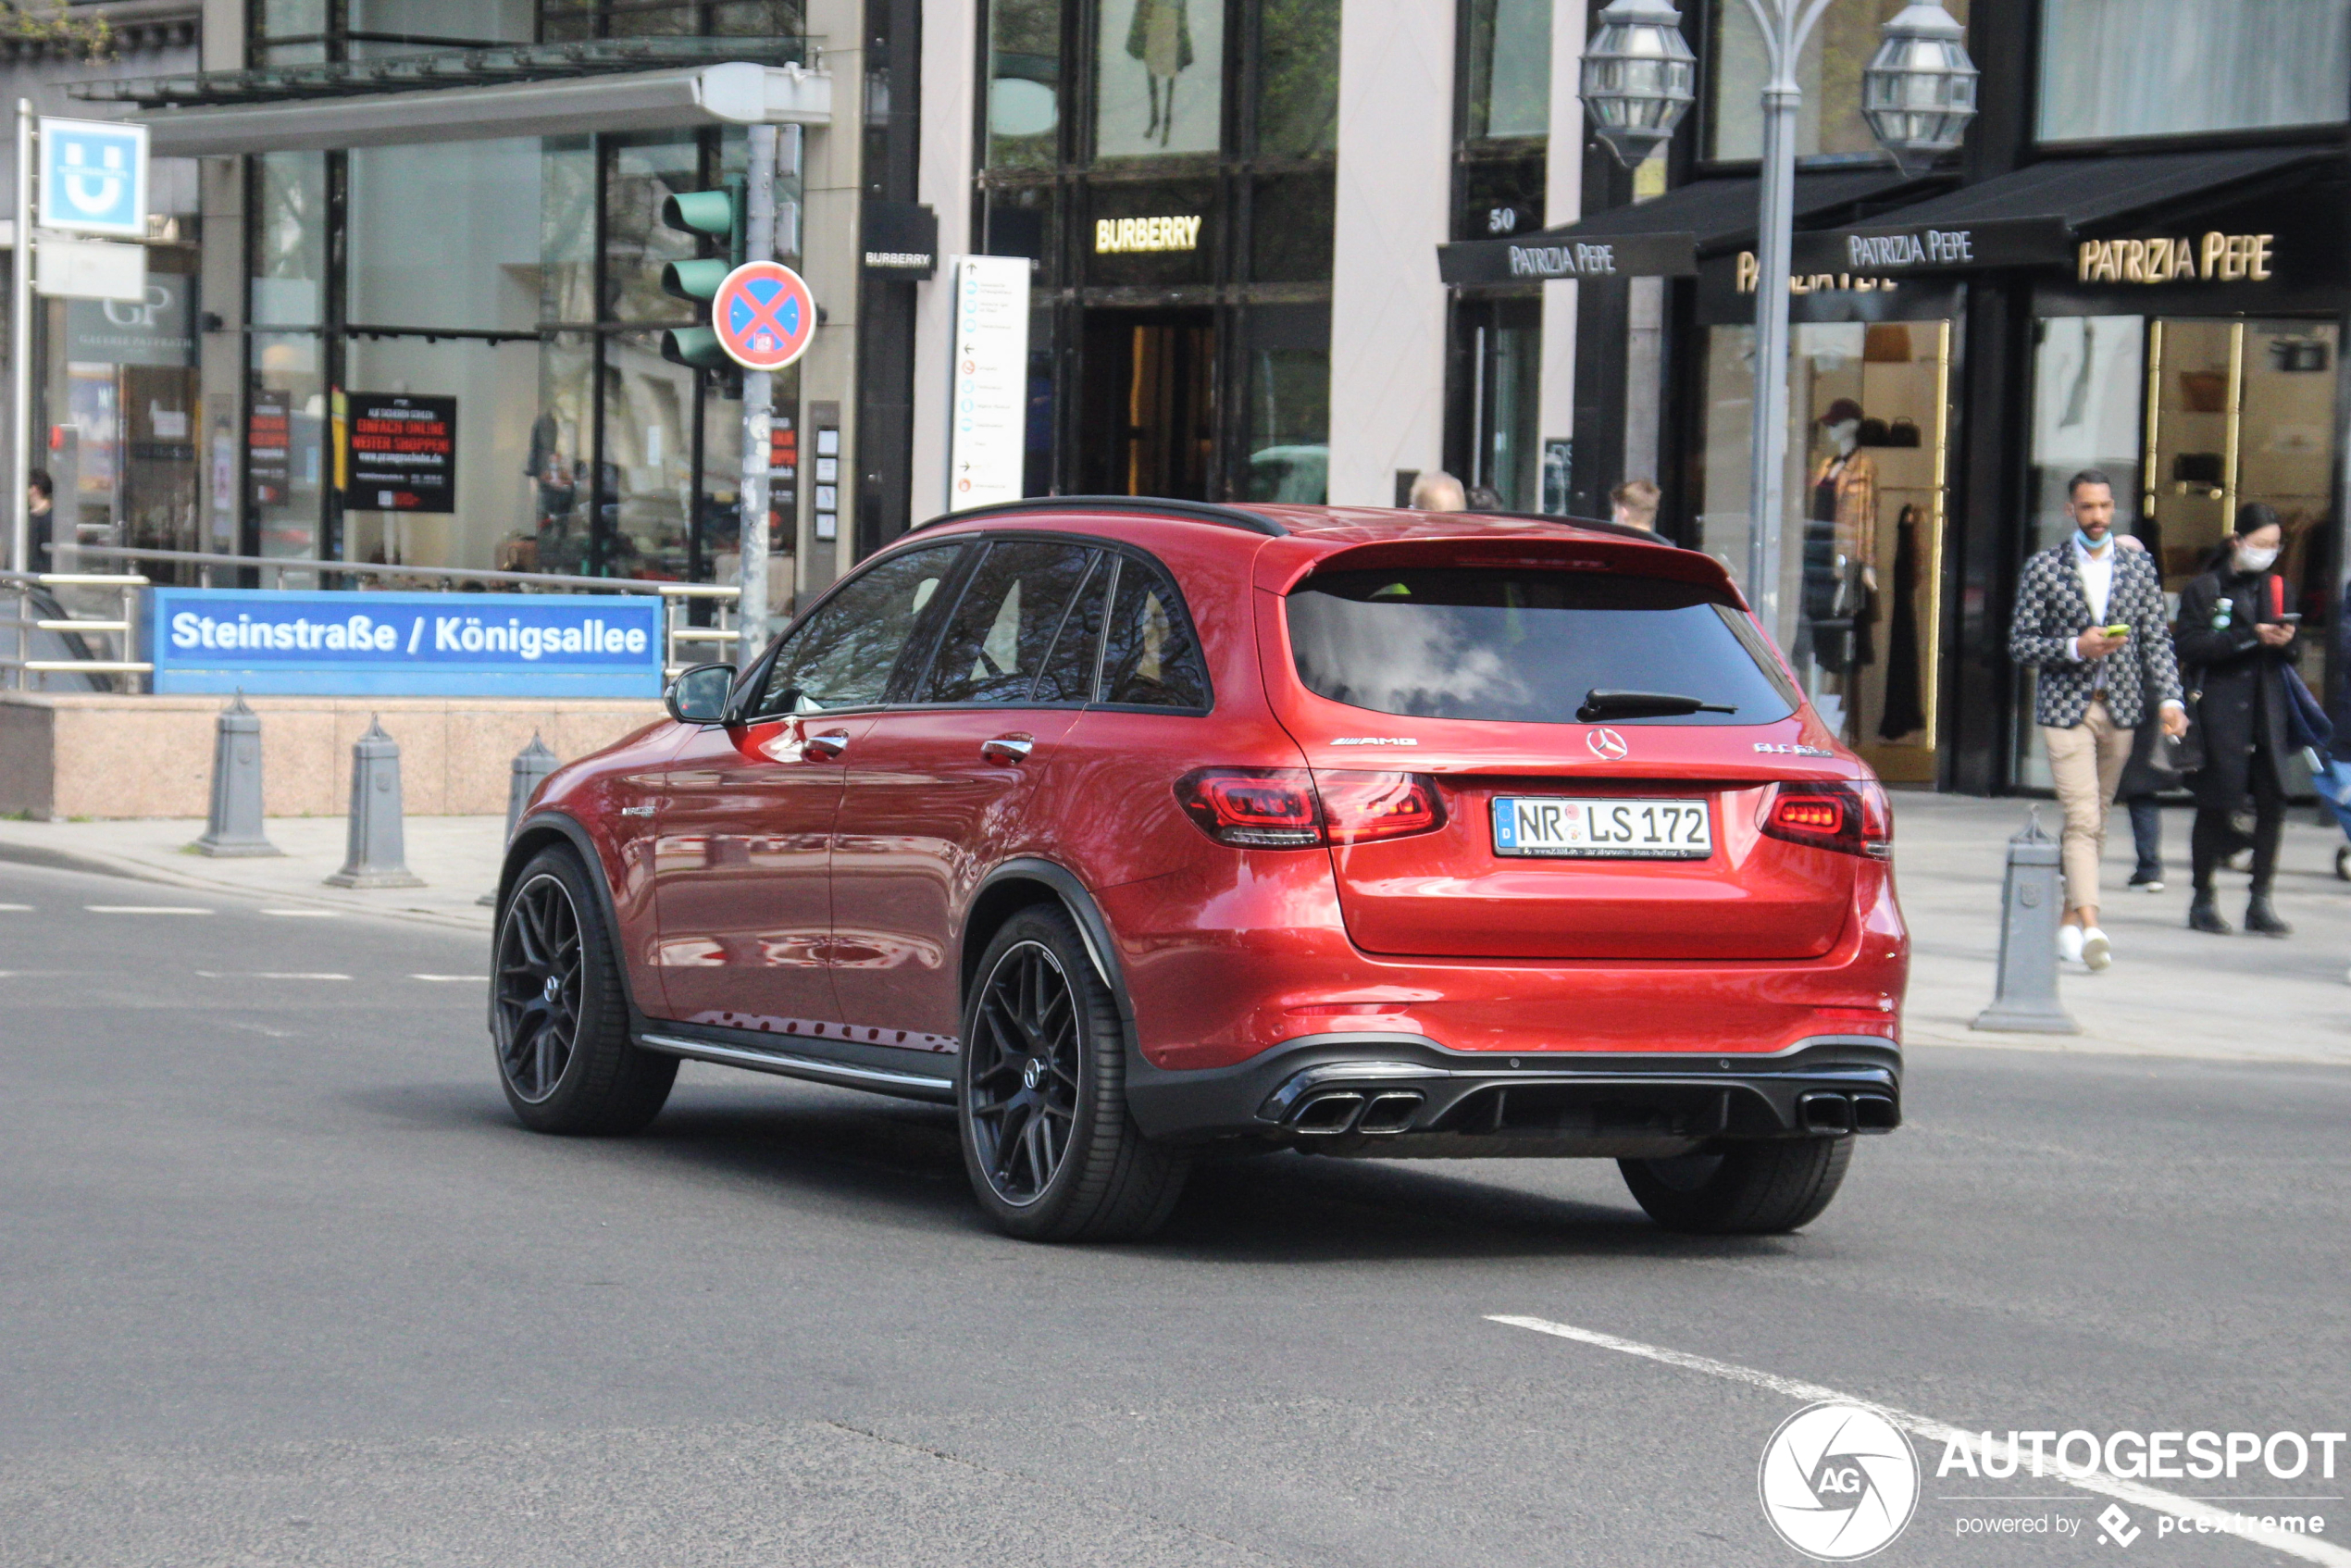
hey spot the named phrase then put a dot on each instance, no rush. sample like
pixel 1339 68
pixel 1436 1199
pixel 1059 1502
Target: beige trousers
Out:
pixel 2085 763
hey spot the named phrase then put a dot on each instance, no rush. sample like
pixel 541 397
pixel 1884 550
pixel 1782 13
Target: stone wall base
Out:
pixel 69 755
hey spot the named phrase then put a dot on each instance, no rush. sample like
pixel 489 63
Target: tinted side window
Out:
pixel 842 656
pixel 1003 629
pixel 1068 676
pixel 1151 658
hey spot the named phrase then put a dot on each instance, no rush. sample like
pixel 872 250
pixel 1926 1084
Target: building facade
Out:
pixel 1248 229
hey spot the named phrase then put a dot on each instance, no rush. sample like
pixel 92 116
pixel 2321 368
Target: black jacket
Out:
pixel 2241 709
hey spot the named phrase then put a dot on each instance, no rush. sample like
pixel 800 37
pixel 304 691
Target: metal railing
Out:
pixel 678 598
pixel 25 622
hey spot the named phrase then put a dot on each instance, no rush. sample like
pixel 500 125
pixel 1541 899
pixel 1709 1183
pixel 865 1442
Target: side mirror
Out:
pixel 698 695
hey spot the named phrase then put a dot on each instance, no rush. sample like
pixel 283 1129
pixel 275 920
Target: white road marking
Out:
pixel 267 975
pixel 305 914
pixel 2219 1520
pixel 454 979
pixel 143 909
pixel 17 908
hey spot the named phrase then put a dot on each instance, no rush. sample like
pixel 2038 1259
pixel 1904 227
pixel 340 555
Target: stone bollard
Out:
pixel 2026 997
pixel 234 826
pixel 376 857
pixel 532 765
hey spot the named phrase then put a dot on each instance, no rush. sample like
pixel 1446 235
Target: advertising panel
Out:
pixel 405 644
pixel 404 454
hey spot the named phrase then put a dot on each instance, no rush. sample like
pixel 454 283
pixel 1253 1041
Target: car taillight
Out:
pixel 1258 808
pixel 1288 808
pixel 1365 807
pixel 1852 818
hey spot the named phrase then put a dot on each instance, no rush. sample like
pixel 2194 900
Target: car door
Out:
pixel 739 868
pixel 946 784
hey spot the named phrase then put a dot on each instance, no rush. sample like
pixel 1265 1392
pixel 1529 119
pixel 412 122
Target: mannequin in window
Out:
pixel 1161 36
pixel 1840 549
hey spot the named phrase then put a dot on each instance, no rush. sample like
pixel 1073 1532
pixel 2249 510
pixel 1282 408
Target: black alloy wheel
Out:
pixel 1052 1151
pixel 558 1015
pixel 538 987
pixel 1023 1072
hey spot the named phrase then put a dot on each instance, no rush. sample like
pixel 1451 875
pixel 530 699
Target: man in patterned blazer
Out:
pixel 2090 617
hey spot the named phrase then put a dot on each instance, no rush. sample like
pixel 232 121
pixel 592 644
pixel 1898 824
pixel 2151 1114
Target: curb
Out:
pixel 91 863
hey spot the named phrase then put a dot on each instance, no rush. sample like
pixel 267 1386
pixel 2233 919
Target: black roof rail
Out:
pixel 1195 511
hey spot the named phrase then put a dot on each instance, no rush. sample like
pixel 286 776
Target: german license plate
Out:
pixel 1605 827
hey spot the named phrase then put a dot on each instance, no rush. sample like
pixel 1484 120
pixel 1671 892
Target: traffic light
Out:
pixel 707 215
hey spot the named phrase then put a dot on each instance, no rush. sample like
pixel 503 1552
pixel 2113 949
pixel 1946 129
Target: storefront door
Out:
pixel 1148 415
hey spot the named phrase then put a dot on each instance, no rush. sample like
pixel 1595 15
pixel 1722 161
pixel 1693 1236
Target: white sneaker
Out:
pixel 2096 951
pixel 2070 943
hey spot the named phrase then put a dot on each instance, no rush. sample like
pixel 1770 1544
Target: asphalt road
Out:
pixel 280 1282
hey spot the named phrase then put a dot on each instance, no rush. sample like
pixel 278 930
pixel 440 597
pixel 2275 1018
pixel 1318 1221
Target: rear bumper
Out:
pixel 1400 1095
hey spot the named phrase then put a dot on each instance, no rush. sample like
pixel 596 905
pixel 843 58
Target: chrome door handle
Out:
pixel 825 748
pixel 1007 747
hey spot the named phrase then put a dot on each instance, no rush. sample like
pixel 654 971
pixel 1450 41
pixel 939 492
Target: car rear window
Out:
pixel 1524 646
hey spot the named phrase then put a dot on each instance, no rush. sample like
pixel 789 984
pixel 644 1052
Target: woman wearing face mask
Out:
pixel 2235 647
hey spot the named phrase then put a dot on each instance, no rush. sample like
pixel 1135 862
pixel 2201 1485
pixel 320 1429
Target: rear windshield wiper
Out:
pixel 1600 705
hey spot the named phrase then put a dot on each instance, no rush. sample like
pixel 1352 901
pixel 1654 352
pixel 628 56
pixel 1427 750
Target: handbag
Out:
pixel 1904 431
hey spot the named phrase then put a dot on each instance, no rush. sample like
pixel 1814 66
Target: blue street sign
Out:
pixel 405 644
pixel 94 177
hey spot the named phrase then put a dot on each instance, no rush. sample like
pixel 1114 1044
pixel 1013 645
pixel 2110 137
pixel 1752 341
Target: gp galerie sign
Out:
pixel 405 644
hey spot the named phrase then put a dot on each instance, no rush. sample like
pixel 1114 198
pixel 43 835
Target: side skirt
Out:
pixel 759 1058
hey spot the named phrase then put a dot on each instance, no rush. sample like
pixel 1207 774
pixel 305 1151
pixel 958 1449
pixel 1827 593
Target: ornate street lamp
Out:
pixel 1639 77
pixel 1918 92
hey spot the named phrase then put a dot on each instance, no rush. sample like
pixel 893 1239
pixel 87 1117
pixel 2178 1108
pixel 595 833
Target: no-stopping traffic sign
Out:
pixel 763 314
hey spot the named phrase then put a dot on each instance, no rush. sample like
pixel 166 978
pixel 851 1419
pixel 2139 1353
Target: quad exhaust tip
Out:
pixel 1328 1116
pixel 1389 1112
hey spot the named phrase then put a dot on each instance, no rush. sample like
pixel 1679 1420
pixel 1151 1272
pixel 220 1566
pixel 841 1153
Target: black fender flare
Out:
pixel 536 824
pixel 1092 929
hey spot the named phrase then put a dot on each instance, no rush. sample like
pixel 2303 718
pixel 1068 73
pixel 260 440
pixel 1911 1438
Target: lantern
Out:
pixel 1918 92
pixel 1639 77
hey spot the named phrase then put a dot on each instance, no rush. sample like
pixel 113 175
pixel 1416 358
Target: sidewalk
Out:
pixel 457 857
pixel 2172 992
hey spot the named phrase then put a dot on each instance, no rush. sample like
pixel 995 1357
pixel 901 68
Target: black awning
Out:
pixel 1658 238
pixel 2033 216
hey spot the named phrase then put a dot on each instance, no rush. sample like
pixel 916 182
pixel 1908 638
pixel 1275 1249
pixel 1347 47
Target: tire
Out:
pixel 1749 1189
pixel 1040 1096
pixel 563 1050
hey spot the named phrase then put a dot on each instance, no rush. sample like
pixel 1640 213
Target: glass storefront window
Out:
pixel 2192 418
pixel 405 27
pixel 645 173
pixel 1159 78
pixel 290 260
pixel 1289 403
pixel 2158 67
pixel 1507 68
pixel 1023 82
pixel 1830 73
pixel 400 267
pixel 1861 537
pixel 1298 78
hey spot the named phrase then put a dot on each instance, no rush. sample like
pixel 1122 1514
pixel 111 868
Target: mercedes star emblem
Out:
pixel 1608 745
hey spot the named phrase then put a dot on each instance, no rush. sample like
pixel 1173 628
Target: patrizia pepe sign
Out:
pixel 407 645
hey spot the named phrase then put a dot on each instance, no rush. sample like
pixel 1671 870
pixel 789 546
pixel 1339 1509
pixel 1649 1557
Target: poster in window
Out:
pixel 1159 83
pixel 404 454
pixel 268 445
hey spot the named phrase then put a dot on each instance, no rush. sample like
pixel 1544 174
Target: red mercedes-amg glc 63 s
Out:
pixel 1135 829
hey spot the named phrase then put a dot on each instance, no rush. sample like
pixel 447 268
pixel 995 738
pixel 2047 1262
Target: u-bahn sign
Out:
pixel 763 314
